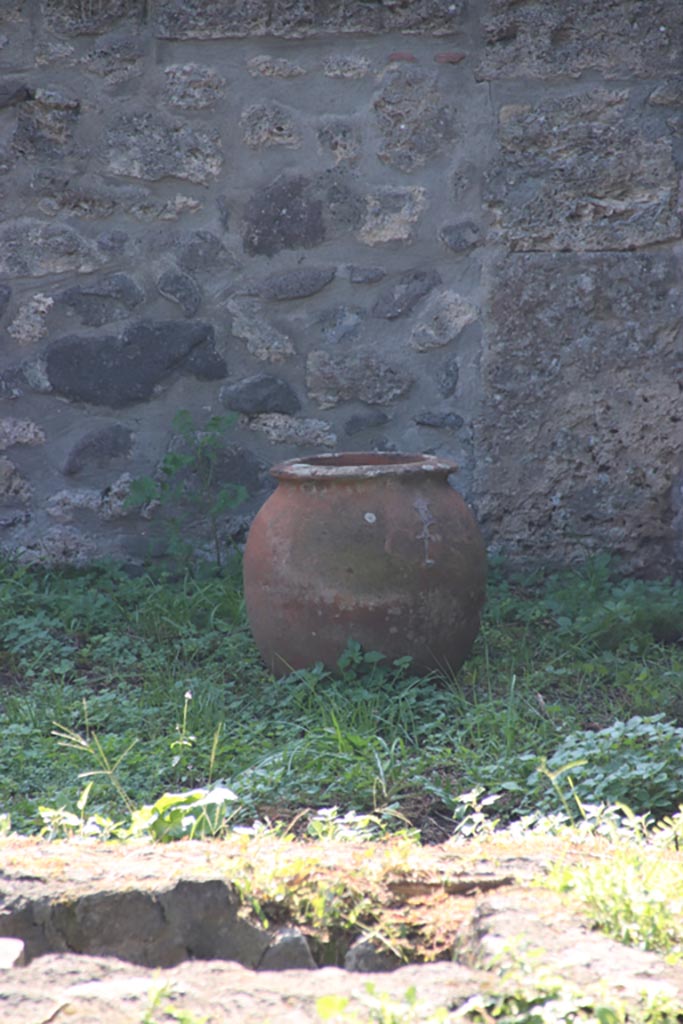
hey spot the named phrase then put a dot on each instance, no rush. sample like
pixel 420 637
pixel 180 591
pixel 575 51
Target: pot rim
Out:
pixel 361 466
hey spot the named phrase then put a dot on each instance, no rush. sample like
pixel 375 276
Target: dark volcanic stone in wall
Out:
pixel 462 237
pixel 181 288
pixel 99 447
pixel 448 377
pixel 5 296
pixel 298 283
pixel 262 393
pixel 237 465
pixel 361 421
pixel 13 92
pixel 366 275
pixel 341 324
pixel 296 19
pixel 201 251
pixel 100 302
pixel 400 298
pixel 439 420
pixel 343 206
pixel 581 173
pixel 120 371
pixel 283 215
pixel 546 38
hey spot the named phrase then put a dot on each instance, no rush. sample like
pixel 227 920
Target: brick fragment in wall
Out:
pixel 443 318
pixel 391 213
pixel 582 173
pixel 332 378
pixel 542 39
pixel 14 431
pixel 269 124
pixel 120 371
pixel 153 147
pixel 413 118
pixel 282 429
pixel 193 86
pixel 264 341
pixel 581 406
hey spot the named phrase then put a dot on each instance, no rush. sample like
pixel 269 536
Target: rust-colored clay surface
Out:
pixel 372 547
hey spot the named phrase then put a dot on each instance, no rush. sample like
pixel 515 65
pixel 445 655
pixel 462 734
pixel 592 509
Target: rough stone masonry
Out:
pixel 418 225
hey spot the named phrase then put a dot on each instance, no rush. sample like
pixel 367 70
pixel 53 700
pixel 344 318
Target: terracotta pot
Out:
pixel 373 547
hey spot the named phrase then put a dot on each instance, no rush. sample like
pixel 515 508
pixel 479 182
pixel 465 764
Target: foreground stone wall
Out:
pixel 416 225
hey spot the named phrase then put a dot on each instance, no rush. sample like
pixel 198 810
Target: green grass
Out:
pixel 154 685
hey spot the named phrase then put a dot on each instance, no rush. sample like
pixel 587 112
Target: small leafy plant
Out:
pixel 637 763
pixel 187 486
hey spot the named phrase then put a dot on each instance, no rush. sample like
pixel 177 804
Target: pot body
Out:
pixel 372 547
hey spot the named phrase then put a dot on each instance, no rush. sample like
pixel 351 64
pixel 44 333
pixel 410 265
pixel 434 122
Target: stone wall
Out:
pixel 414 225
